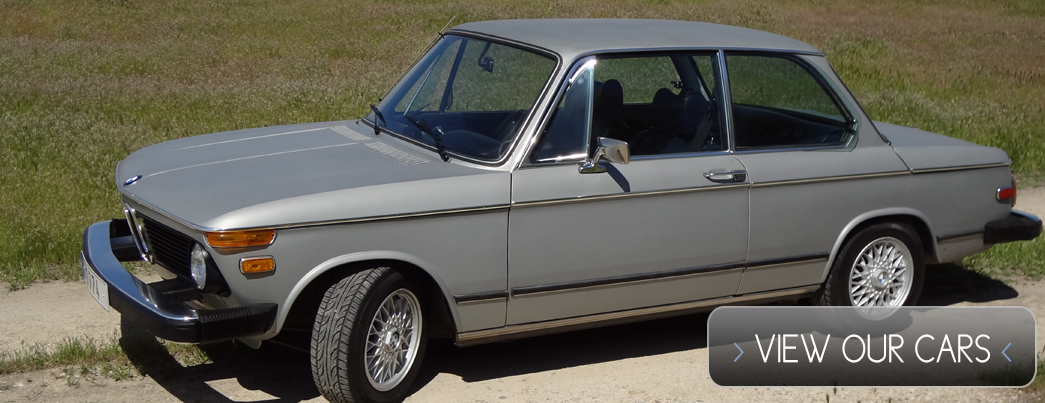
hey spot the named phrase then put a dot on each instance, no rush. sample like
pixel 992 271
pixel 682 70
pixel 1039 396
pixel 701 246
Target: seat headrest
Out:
pixel 609 96
pixel 664 96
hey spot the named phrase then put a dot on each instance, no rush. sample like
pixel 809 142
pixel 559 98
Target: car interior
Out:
pixel 681 116
pixel 685 118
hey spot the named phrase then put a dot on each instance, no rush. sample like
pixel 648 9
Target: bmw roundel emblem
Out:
pixel 131 180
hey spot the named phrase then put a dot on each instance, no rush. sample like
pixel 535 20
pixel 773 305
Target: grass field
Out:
pixel 85 82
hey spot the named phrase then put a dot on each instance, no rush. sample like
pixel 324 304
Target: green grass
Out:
pixel 1037 386
pixel 83 83
pixel 1011 259
pixel 71 351
pixel 99 357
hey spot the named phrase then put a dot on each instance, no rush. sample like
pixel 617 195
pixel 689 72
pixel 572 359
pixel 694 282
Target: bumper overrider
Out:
pixel 155 307
pixel 1019 226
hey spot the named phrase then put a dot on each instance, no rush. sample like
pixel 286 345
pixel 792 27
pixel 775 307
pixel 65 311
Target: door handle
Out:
pixel 726 177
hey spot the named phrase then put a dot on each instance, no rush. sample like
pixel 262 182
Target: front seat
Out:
pixel 606 111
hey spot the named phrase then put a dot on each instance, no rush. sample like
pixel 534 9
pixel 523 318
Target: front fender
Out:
pixel 342 260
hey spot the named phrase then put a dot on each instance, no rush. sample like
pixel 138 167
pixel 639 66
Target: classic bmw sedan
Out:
pixel 536 176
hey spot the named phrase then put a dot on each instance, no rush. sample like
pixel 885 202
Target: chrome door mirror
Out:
pixel 611 150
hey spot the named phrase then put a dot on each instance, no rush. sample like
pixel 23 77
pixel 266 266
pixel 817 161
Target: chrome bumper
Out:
pixel 152 308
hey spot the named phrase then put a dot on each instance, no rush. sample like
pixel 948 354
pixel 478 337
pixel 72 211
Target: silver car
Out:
pixel 535 176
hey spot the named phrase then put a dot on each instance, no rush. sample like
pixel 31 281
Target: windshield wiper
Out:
pixel 377 113
pixel 421 125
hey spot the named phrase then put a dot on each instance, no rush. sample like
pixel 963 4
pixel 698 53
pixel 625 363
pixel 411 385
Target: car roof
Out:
pixel 571 37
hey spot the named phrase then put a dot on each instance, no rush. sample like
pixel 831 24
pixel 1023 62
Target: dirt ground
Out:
pixel 1031 200
pixel 658 361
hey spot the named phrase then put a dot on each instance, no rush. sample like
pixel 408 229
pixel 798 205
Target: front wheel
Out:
pixel 881 266
pixel 368 338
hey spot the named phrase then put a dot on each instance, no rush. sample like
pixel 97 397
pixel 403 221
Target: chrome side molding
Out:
pixel 610 318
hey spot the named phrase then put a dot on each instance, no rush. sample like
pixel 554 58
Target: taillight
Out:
pixel 1008 194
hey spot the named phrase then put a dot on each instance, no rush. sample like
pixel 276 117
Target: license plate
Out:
pixel 98 289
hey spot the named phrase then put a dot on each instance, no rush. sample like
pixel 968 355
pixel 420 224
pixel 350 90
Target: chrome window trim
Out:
pixel 679 155
pixel 633 158
pixel 542 124
pixel 838 147
pixel 726 101
pixel 555 56
pixel 722 87
pixel 857 106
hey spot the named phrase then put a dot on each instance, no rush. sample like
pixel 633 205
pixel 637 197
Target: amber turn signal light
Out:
pixel 254 265
pixel 241 239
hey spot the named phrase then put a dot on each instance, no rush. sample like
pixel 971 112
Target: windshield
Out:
pixel 473 93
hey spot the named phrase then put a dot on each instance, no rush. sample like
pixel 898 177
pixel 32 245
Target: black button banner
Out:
pixel 845 346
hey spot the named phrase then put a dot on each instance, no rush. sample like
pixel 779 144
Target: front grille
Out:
pixel 170 249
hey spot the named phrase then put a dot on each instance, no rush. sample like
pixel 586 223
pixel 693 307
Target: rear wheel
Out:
pixel 881 266
pixel 368 338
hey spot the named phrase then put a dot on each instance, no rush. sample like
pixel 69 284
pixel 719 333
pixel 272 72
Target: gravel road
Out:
pixel 659 361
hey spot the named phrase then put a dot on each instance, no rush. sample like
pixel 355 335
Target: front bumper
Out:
pixel 159 311
pixel 1019 226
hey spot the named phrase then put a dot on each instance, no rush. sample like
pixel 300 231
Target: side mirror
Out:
pixel 611 150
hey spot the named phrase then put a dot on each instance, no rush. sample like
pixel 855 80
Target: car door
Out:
pixel 669 227
pixel 814 162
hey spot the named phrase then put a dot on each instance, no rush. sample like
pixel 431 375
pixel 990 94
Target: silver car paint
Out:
pixel 650 215
pixel 782 202
pixel 353 206
pixel 299 174
pixel 571 37
pixel 922 150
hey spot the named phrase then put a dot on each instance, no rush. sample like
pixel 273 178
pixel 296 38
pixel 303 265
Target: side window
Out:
pixel 662 104
pixel 706 68
pixel 642 77
pixel 658 104
pixel 777 104
pixel 566 136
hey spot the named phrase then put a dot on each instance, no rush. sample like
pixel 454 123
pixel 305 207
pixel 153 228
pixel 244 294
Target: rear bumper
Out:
pixel 154 308
pixel 1019 226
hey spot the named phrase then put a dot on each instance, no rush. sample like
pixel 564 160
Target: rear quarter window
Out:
pixel 778 103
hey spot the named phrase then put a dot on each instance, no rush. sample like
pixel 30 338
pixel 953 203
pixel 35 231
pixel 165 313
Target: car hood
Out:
pixel 924 150
pixel 305 173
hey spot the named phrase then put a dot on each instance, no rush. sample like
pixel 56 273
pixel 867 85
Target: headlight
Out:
pixel 199 266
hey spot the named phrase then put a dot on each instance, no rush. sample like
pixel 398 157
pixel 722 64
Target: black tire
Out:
pixel 340 335
pixel 835 291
